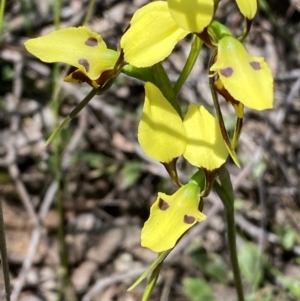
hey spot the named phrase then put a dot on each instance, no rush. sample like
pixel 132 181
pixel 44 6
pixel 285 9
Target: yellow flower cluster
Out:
pixel 152 34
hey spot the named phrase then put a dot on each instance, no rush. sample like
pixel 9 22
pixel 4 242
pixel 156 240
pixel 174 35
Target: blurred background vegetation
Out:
pixel 73 210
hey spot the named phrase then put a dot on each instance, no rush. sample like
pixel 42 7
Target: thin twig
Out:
pixel 14 173
pixel 46 203
pixel 11 157
pixel 262 205
pixel 101 284
pixel 4 258
pixel 258 233
pixel 34 242
pixel 169 279
pixel 19 282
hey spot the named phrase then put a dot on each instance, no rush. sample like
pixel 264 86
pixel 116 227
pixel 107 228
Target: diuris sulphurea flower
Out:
pixel 248 79
pixel 171 216
pixel 157 27
pixel 78 46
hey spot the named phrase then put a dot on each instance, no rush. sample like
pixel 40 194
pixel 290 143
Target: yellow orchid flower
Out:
pixel 157 27
pixel 170 217
pixel 77 46
pixel 192 15
pixel 151 36
pixel 248 79
pixel 205 147
pixel 160 133
pixel 247 7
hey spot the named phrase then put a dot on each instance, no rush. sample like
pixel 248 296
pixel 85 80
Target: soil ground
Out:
pixel 108 184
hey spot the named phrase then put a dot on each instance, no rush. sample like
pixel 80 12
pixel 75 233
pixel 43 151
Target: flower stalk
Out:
pixel 189 64
pixel 223 188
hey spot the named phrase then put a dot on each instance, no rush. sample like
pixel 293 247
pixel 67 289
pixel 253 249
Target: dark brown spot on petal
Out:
pixel 227 72
pixel 92 42
pixel 255 65
pixel 163 205
pixel 127 28
pixel 85 64
pixel 188 219
pixel 81 77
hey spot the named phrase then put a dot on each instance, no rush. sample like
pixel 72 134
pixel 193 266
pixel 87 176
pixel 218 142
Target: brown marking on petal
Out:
pixel 227 72
pixel 81 77
pixel 127 28
pixel 222 91
pixel 85 64
pixel 105 77
pixel 163 205
pixel 255 65
pixel 92 42
pixel 188 219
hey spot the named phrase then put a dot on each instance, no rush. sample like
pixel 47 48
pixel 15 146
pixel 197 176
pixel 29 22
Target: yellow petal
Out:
pixel 205 146
pixel 170 217
pixel 161 133
pixel 152 35
pixel 77 46
pixel 247 78
pixel 247 7
pixel 192 15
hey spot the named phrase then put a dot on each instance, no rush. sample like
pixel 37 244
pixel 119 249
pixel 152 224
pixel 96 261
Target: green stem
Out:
pixel 231 237
pixel 4 259
pixel 198 178
pixel 246 30
pixel 223 188
pixel 189 64
pixel 2 10
pixel 204 179
pixel 64 267
pixel 155 265
pixel 56 155
pixel 163 82
pixel 66 287
pixel 143 74
pixel 151 282
pixel 56 12
pixel 89 12
pixel 73 114
pixel 219 113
